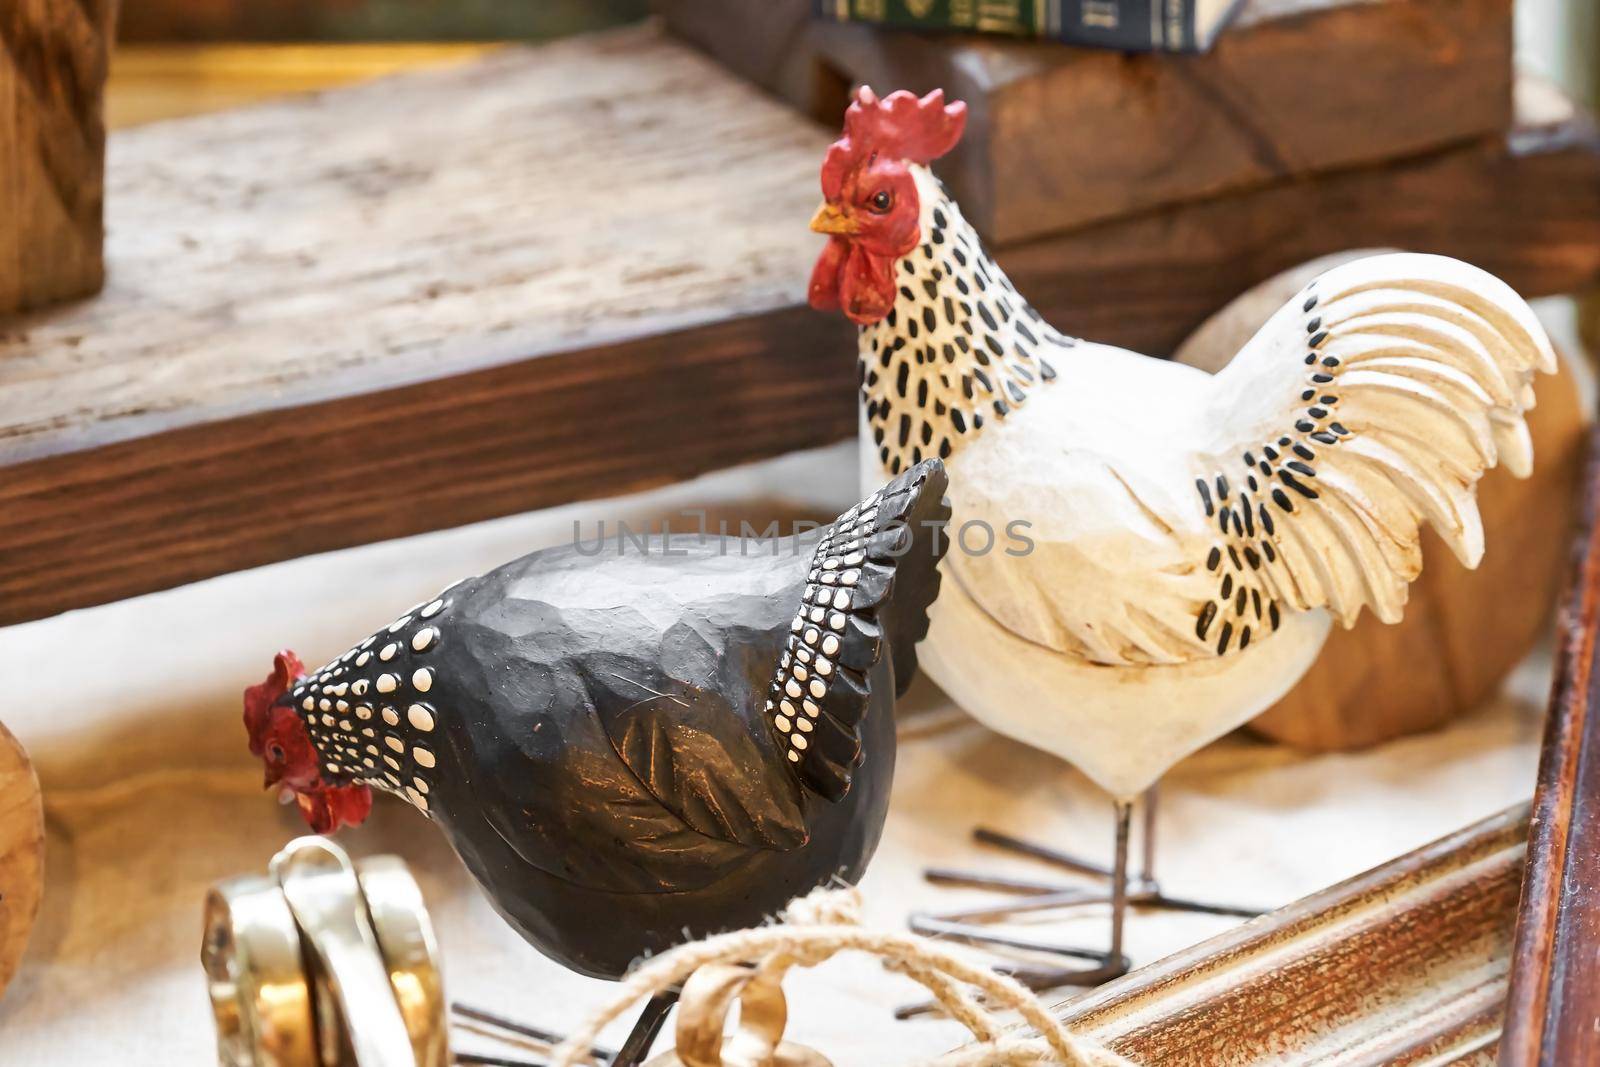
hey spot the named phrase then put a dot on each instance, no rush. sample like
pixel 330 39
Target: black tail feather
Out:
pixel 873 578
pixel 916 500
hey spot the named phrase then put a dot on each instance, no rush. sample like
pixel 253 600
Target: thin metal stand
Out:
pixel 633 1051
pixel 1122 891
pixel 654 1016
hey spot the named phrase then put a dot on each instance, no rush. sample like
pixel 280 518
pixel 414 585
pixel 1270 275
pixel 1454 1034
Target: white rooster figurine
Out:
pixel 1189 538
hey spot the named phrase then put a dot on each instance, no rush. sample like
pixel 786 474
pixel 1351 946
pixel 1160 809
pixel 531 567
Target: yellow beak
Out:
pixel 832 220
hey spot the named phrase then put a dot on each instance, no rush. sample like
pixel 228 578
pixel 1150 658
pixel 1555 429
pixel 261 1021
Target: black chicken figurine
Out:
pixel 631 746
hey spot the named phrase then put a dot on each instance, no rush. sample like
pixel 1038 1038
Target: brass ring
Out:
pixel 324 963
pixel 252 958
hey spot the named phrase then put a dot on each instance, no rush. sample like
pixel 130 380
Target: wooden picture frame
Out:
pixel 1553 1015
pixel 1407 963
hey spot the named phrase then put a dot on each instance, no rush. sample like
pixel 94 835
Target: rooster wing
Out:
pixel 1174 517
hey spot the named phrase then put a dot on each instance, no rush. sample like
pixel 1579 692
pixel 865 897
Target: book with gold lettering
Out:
pixel 1126 25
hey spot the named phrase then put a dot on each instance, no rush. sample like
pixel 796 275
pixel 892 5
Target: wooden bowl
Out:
pixel 21 853
pixel 1463 630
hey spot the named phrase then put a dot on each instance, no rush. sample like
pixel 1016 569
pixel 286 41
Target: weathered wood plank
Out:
pixel 1553 1016
pixel 1059 137
pixel 537 202
pixel 1405 964
pixel 199 500
pixel 552 275
pixel 53 56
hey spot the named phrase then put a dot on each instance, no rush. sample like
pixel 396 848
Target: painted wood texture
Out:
pixel 53 56
pixel 557 274
pixel 1464 630
pixel 1405 964
pixel 1553 1018
pixel 1060 137
pixel 21 853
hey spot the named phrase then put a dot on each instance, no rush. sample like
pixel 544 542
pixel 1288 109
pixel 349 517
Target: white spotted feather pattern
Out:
pixel 820 691
pixel 368 712
pixel 1414 374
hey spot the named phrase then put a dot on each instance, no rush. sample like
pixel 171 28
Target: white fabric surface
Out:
pixel 131 712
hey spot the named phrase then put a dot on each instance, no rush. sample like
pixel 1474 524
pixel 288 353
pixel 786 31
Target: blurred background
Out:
pixel 1557 38
pixel 363 20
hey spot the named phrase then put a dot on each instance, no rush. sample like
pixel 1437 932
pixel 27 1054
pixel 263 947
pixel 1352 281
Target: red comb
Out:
pixel 258 699
pixel 900 126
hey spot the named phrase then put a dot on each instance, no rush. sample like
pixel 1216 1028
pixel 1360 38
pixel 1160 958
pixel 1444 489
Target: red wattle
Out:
pixel 866 286
pixel 328 807
pixel 854 280
pixel 823 291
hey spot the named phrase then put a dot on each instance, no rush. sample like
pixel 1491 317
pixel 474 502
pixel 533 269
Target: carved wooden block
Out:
pixel 1059 137
pixel 1464 630
pixel 21 853
pixel 1524 206
pixel 776 44
pixel 53 59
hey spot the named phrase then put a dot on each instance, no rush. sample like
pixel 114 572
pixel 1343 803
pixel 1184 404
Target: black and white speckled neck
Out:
pixel 368 712
pixel 960 347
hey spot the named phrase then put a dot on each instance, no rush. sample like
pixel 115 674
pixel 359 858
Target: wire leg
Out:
pixel 997 882
pixel 1143 892
pixel 1109 964
pixel 1147 837
pixel 1033 850
pixel 1149 894
pixel 1119 882
pixel 496 1025
pixel 654 1016
pixel 1029 895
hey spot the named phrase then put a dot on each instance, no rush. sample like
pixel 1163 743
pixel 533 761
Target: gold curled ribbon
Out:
pixel 701 1038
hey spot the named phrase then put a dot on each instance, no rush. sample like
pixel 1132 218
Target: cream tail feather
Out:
pixel 1185 538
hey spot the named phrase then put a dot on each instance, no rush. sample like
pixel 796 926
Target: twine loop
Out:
pixel 747 968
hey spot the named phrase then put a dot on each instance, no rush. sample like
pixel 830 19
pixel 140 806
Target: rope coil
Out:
pixel 749 966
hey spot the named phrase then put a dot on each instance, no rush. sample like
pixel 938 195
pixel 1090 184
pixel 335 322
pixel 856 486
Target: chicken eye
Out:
pixel 275 752
pixel 881 202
